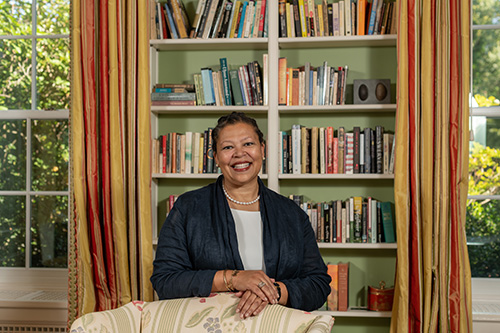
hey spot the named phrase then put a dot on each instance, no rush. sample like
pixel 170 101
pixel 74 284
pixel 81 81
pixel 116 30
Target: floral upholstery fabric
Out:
pixel 216 313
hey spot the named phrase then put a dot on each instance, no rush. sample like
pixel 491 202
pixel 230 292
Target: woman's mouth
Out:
pixel 241 166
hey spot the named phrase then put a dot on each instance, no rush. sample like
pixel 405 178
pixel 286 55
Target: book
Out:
pixel 226 81
pixel 187 86
pixel 235 87
pixel 173 103
pixel 358 211
pixel 235 12
pixel 348 19
pixel 373 15
pixel 296 149
pixel 322 150
pixel 179 18
pixel 333 296
pixel 208 86
pixel 373 217
pixel 196 20
pixel 387 222
pixel 356 154
pixel 282 86
pixel 314 149
pixel 361 17
pixel 164 96
pixel 343 271
pixel 330 152
pixel 379 146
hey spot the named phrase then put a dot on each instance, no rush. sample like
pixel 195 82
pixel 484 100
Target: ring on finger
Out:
pixel 261 284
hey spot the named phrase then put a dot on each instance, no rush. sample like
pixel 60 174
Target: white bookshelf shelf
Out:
pixel 208 109
pixel 335 176
pixel 198 44
pixel 337 41
pixel 365 108
pixel 191 176
pixel 359 246
pixel 356 313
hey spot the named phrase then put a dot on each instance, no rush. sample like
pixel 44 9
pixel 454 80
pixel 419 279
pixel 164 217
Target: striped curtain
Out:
pixel 111 250
pixel 433 279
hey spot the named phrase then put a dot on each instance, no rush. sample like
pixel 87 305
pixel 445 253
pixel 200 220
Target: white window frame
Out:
pixel 34 278
pixel 483 288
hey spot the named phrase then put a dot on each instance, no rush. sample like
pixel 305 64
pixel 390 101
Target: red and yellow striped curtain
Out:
pixel 111 249
pixel 433 279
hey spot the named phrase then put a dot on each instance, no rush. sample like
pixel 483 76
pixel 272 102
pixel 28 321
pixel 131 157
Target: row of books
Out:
pixel 187 153
pixel 354 220
pixel 304 18
pixel 213 19
pixel 244 85
pixel 230 19
pixel 338 298
pixel 168 19
pixel 308 85
pixel 323 150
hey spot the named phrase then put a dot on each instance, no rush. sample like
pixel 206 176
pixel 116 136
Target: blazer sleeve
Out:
pixel 310 289
pixel 173 273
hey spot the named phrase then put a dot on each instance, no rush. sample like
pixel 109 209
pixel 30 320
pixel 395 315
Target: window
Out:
pixel 483 206
pixel 34 156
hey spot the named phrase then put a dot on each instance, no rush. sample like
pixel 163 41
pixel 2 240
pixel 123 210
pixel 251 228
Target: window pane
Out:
pixel 13 155
pixel 49 231
pixel 49 155
pixel 53 17
pixel 15 17
pixel 15 74
pixel 483 237
pixel 485 12
pixel 53 74
pixel 12 231
pixel 486 66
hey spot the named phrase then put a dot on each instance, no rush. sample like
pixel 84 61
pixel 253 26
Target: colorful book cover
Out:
pixel 333 297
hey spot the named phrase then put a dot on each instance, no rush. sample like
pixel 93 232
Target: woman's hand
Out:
pixel 258 283
pixel 250 304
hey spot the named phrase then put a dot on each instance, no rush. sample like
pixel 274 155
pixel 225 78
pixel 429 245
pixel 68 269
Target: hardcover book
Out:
pixel 333 297
pixel 343 286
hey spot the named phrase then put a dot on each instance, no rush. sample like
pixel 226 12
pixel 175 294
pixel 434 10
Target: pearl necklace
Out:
pixel 239 202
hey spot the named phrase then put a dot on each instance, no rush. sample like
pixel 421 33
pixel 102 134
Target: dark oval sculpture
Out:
pixel 363 92
pixel 380 92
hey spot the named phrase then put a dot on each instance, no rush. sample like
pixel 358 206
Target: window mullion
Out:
pixel 28 196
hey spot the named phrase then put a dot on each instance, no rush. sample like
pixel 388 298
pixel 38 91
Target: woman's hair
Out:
pixel 231 119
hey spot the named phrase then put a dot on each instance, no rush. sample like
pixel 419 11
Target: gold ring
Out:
pixel 261 284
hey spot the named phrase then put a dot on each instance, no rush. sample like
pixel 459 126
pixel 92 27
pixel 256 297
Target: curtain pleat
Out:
pixel 432 291
pixel 111 239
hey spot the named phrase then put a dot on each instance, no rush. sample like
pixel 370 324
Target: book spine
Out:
pixel 387 222
pixel 226 82
pixel 343 286
pixel 208 86
pixel 333 297
pixel 379 134
pixel 357 218
pixel 356 155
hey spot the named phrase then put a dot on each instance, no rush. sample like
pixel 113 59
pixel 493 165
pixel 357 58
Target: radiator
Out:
pixel 31 328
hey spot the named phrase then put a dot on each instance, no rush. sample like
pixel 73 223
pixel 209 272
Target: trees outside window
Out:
pixel 483 206
pixel 34 129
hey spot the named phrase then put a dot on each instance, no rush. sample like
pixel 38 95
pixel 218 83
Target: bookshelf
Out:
pixel 176 60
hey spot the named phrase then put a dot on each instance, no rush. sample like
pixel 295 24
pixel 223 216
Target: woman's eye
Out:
pixel 249 144
pixel 226 147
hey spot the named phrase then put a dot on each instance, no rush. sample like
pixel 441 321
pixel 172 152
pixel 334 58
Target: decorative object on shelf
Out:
pixel 373 91
pixel 380 299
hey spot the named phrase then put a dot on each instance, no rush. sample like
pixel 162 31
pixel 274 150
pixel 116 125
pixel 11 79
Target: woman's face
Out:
pixel 239 153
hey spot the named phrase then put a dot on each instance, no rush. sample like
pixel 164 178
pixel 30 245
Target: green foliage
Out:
pixel 49 140
pixel 486 48
pixel 483 216
pixel 52 71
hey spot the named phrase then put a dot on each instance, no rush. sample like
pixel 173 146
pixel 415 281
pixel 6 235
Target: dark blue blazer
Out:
pixel 198 238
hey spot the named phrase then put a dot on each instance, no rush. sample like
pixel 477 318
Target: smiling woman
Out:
pixel 237 235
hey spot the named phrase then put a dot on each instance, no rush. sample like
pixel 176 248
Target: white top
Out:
pixel 249 234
